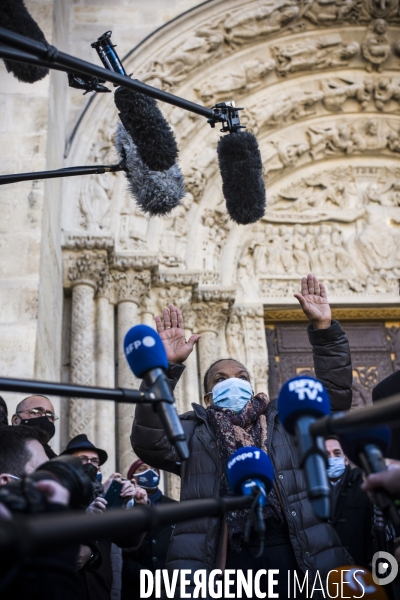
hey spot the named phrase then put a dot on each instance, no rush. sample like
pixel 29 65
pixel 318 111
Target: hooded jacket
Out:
pixel 194 544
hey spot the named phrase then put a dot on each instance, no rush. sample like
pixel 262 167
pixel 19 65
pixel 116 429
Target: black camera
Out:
pixel 22 496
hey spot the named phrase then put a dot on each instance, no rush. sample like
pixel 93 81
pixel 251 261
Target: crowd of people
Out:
pixel 231 416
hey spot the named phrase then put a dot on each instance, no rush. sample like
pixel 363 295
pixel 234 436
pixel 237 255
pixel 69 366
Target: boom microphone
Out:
pixel 140 115
pixel 301 401
pixel 242 181
pixel 15 17
pixel 145 123
pixel 147 359
pixel 155 192
pixel 367 449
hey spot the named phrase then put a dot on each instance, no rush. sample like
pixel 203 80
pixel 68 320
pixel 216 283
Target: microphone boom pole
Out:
pixel 26 534
pixel 341 423
pixel 66 172
pixel 51 56
pixel 119 395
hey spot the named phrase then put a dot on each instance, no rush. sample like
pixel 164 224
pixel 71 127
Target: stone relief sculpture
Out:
pixel 327 52
pixel 376 47
pixel 96 192
pixel 235 338
pixel 174 239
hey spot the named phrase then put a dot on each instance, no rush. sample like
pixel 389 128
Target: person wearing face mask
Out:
pixel 351 509
pixel 234 416
pixel 37 411
pixel 152 552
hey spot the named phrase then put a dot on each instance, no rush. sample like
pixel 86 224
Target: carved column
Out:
pixel 84 272
pixel 105 374
pixel 255 341
pixel 131 286
pixel 211 317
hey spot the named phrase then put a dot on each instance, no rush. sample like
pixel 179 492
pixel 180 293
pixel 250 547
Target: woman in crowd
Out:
pixel 233 417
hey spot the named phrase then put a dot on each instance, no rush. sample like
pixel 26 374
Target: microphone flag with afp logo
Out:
pixel 147 359
pixel 302 400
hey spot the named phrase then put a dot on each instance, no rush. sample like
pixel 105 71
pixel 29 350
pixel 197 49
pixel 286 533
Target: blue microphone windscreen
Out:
pixel 249 462
pixel 352 443
pixel 299 397
pixel 144 350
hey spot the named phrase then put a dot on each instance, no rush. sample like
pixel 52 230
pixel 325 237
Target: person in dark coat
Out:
pixel 152 552
pixel 351 509
pixel 296 539
pixel 3 412
pixel 386 388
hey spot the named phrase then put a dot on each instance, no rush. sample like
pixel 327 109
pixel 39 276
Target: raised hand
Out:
pixel 314 302
pixel 172 332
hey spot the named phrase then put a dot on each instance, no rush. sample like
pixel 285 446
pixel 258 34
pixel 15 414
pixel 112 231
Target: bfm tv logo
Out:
pixel 306 388
pixel 384 568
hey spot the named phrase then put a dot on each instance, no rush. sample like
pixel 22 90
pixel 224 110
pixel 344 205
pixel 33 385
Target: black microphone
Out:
pixel 301 401
pixel 242 180
pixel 147 359
pixel 367 449
pixel 15 17
pixel 155 192
pixel 140 115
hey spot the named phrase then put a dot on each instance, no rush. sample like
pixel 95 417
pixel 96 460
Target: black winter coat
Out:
pixel 194 544
pixel 352 517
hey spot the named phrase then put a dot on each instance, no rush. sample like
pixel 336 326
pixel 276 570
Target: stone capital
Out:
pixel 131 285
pixel 209 316
pixel 86 267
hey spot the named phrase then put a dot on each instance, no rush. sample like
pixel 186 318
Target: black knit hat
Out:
pixel 81 442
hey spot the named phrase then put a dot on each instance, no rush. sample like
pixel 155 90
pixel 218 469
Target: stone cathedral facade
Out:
pixel 319 81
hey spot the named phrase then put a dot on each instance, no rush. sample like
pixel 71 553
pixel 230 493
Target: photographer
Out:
pixel 100 562
pixel 49 574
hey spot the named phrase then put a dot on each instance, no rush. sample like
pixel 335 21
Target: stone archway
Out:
pixel 320 85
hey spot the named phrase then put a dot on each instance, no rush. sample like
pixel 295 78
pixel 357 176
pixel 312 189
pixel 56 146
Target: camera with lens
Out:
pixel 22 496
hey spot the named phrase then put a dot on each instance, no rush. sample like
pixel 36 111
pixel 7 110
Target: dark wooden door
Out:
pixel 375 352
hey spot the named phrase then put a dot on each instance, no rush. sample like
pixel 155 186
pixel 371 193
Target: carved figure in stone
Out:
pixel 300 254
pixel 247 77
pixel 311 246
pixel 342 258
pixel 216 226
pixel 96 192
pixel 290 153
pixel 385 91
pixel 331 140
pixel 329 12
pixel 376 47
pixel 326 256
pixel 337 91
pixel 288 107
pixel 393 139
pixel 245 272
pixel 198 48
pixel 235 338
pixel 246 24
pixel 272 249
pixel 286 246
pixel 174 239
pixel 325 53
pixel 382 9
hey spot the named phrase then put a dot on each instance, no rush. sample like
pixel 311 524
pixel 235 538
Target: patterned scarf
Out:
pixel 249 428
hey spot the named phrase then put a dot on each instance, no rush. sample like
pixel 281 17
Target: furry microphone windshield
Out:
pixel 242 181
pixel 156 192
pixel 148 129
pixel 15 17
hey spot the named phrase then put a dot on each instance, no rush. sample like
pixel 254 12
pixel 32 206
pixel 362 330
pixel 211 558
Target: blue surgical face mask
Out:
pixel 148 479
pixel 232 393
pixel 336 467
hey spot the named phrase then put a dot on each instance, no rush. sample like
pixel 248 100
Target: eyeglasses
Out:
pixel 86 459
pixel 39 412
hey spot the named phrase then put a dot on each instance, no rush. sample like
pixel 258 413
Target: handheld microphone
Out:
pixel 15 17
pixel 301 401
pixel 251 473
pixel 155 192
pixel 147 359
pixel 242 181
pixel 367 449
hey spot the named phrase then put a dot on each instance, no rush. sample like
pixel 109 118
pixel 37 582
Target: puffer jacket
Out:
pixel 194 544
